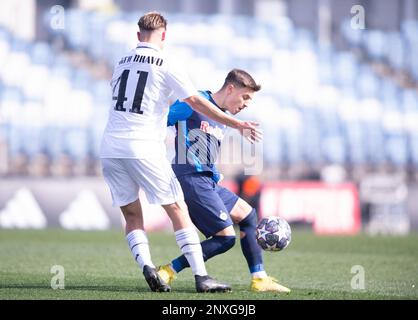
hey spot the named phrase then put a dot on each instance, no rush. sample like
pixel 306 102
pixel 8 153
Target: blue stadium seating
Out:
pixel 318 104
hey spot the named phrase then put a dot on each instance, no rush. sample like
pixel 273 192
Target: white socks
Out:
pixel 259 274
pixel 187 239
pixel 138 243
pixel 189 243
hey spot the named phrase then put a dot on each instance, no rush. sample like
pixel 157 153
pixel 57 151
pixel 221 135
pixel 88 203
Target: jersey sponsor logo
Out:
pixel 214 131
pixel 22 211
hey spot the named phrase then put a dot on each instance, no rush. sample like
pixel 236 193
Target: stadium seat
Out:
pixel 329 105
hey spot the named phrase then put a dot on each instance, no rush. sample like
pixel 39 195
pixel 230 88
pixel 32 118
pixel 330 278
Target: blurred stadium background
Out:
pixel 339 106
pixel 339 111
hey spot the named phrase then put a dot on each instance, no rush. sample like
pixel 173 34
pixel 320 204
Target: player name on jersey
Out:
pixel 142 59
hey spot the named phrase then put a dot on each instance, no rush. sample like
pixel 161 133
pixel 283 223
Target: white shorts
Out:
pixel 125 177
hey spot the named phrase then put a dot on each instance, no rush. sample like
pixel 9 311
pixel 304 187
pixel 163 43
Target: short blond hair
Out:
pixel 152 21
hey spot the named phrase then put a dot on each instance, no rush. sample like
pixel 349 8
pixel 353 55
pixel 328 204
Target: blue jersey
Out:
pixel 198 139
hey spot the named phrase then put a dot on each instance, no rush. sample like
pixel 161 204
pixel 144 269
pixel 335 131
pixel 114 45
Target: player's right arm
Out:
pixel 248 129
pixel 185 91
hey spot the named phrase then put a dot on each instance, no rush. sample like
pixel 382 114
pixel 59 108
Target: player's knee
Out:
pixel 228 231
pixel 226 242
pixel 249 220
pixel 178 215
pixel 249 223
pixel 172 207
pixel 131 211
pixel 176 209
pixel 230 242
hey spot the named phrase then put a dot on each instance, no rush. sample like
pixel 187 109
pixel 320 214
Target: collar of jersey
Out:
pixel 147 45
pixel 209 93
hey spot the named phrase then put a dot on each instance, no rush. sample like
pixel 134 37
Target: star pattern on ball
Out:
pixel 273 234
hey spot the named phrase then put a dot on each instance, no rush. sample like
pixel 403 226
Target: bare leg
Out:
pixel 179 215
pixel 138 244
pixel 133 216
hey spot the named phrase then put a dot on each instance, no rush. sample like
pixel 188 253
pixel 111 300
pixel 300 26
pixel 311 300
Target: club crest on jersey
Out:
pixel 214 131
pixel 223 215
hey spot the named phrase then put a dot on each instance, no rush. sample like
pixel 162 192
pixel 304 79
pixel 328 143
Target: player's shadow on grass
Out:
pixel 79 287
pixel 102 288
pixel 137 289
pixel 24 286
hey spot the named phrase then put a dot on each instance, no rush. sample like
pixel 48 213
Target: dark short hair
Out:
pixel 152 21
pixel 241 79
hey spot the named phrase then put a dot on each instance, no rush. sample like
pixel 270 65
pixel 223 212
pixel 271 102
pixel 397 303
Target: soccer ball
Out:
pixel 273 233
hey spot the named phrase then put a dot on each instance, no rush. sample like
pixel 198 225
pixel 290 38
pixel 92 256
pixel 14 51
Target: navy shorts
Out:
pixel 209 204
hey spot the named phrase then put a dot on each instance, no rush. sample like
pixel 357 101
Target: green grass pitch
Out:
pixel 98 265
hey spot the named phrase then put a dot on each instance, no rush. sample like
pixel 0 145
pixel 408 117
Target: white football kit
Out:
pixel 133 149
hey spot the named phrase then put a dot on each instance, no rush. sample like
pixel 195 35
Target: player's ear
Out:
pixel 138 35
pixel 230 88
pixel 163 36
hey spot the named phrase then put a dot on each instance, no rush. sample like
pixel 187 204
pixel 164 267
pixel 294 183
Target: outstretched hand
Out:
pixel 249 131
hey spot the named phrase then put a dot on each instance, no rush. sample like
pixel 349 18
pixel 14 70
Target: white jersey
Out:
pixel 142 82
